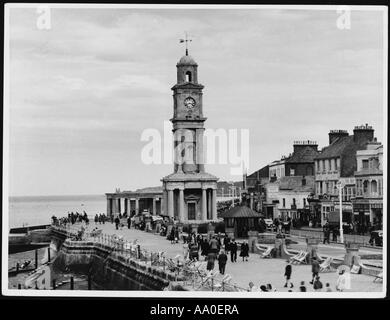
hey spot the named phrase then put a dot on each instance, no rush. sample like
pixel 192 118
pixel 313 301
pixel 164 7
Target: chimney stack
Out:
pixel 334 134
pixel 299 145
pixel 363 134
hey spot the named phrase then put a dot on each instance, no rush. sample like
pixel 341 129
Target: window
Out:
pixel 230 222
pixel 374 186
pixel 365 164
pixel 365 186
pixel 188 76
pixel 292 172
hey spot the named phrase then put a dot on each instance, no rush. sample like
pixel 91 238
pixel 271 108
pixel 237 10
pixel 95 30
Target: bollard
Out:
pixel 71 283
pixel 19 286
pixel 54 284
pixel 89 282
pixel 36 258
pixel 48 254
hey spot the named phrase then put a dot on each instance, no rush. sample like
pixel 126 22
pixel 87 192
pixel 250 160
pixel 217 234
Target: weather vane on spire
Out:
pixel 186 40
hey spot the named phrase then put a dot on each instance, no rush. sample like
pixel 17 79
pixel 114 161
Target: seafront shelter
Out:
pixel 241 219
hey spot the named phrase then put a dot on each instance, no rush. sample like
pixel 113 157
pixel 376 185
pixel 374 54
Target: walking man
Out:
pixel 222 259
pixel 233 251
pixel 117 222
pixel 315 269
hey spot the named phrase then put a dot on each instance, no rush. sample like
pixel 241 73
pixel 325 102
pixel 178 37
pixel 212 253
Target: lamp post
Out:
pixel 340 186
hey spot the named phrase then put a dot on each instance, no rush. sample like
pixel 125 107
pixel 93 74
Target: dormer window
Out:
pixel 188 76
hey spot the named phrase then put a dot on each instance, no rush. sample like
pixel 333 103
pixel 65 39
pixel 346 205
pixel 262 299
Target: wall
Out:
pixel 110 270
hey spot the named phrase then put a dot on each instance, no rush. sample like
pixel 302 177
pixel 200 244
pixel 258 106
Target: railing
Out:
pixel 363 240
pixel 188 273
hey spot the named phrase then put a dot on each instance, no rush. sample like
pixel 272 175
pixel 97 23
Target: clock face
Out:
pixel 189 103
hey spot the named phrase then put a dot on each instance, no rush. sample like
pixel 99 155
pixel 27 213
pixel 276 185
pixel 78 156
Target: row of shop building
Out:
pixel 304 185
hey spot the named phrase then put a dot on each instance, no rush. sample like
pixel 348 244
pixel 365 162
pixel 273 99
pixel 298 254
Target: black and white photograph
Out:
pixel 235 151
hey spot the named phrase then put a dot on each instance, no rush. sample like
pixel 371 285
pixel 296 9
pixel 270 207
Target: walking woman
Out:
pixel 244 251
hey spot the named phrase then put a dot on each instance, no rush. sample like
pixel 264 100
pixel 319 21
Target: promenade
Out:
pixel 257 270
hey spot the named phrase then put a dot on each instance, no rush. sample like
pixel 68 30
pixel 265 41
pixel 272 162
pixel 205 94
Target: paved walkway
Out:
pixel 259 271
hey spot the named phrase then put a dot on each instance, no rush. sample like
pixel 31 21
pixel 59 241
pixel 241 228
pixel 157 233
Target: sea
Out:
pixel 38 210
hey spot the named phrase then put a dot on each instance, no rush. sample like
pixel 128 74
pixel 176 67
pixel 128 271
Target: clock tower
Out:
pixel 189 192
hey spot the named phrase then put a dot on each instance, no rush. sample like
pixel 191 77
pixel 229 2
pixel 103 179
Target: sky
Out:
pixel 82 92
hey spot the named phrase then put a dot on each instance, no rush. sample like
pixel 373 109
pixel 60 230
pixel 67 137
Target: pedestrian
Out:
pixel 117 222
pixel 263 288
pixel 222 259
pixel 96 219
pixel 128 222
pixel 317 285
pixel 210 261
pixel 233 251
pixel 315 269
pixel 252 287
pixel 302 287
pixel 334 234
pixel 205 248
pixel 341 282
pixel 244 253
pixel 287 274
pixel 326 231
pixel 185 250
pixel 214 245
pixel 172 236
pixel 194 251
pixel 269 287
pixel 327 287
pixel 226 243
pixel 176 234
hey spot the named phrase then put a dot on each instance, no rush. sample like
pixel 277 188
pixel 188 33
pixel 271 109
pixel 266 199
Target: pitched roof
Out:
pixel 261 173
pixel 303 155
pixel 241 212
pixel 336 148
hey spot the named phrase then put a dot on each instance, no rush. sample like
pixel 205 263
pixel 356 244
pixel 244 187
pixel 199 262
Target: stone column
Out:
pixel 154 206
pixel 114 203
pixel 204 204
pixel 119 205
pixel 181 205
pixel 164 203
pixel 136 205
pixel 214 204
pixel 128 211
pixel 170 204
pixel 108 213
